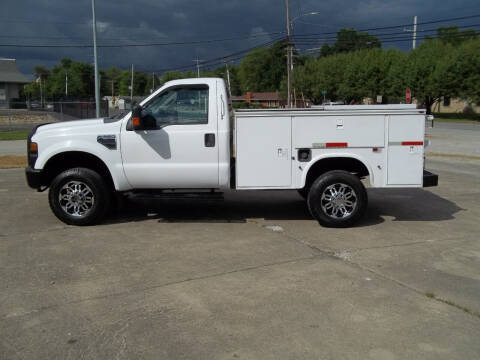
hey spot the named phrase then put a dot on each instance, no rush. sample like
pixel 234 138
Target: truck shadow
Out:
pixel 407 205
pixel 399 204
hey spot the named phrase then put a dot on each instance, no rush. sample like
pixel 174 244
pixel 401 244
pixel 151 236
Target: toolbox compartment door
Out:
pixel 405 150
pixel 263 152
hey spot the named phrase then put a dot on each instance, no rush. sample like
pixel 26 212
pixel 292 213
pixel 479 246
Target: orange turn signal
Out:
pixel 136 121
pixel 33 147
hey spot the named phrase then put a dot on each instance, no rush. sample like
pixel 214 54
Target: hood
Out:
pixel 67 125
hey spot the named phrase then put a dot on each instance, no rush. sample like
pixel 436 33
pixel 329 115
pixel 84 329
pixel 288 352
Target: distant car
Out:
pixel 330 103
pixel 35 105
pixel 334 103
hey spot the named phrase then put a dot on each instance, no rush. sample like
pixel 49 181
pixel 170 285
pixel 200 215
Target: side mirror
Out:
pixel 137 122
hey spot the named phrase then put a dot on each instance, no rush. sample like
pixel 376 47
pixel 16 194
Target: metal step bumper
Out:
pixel 429 179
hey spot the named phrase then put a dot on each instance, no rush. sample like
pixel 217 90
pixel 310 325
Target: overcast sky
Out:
pixel 144 21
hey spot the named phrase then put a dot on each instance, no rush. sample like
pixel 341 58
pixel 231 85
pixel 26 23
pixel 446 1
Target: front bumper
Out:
pixel 429 179
pixel 34 177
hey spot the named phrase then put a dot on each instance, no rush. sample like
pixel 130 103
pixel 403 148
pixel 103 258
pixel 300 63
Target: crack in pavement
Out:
pixel 428 241
pixel 336 255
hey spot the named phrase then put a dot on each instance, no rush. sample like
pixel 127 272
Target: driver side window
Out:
pixel 179 106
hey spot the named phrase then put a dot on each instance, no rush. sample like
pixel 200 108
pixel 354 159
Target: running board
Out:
pixel 172 195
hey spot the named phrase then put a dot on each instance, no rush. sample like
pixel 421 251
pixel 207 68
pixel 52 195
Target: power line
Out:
pixel 139 45
pixel 311 37
pixel 380 37
pixel 397 39
pixel 40 22
pixel 233 56
pixel 404 36
pixel 403 25
pixel 129 39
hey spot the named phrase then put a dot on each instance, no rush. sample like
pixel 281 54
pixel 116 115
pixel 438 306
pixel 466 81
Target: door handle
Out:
pixel 209 140
pixel 222 111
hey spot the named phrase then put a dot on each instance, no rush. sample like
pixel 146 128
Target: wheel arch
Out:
pixel 324 163
pixel 72 159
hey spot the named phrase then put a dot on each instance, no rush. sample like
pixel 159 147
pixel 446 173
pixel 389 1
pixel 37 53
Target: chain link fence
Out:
pixel 24 116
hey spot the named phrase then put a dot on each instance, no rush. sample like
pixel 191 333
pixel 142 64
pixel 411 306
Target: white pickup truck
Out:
pixel 182 140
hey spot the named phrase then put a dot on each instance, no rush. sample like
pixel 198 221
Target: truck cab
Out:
pixel 182 139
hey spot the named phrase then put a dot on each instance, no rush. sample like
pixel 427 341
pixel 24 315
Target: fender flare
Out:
pixel 336 155
pixel 96 150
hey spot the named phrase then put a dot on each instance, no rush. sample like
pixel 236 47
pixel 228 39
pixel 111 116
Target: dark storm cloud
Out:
pixel 126 22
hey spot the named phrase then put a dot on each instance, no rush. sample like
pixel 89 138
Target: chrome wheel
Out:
pixel 338 200
pixel 76 198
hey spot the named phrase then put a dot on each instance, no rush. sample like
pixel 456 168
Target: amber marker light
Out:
pixel 136 121
pixel 33 147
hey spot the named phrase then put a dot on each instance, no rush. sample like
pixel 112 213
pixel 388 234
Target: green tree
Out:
pixel 124 83
pixel 351 40
pixel 431 72
pixel 263 69
pixel 318 75
pixel 465 66
pixel 111 76
pixel 153 82
pixel 326 50
pixel 32 91
pixel 41 71
pixel 453 35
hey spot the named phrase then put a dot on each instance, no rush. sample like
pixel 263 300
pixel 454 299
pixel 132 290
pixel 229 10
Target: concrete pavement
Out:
pixel 253 277
pixel 454 138
pixel 13 147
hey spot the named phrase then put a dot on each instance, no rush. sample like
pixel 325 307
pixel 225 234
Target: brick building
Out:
pixel 266 99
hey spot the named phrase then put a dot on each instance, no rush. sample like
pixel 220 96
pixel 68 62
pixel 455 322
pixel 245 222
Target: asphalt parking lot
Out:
pixel 253 277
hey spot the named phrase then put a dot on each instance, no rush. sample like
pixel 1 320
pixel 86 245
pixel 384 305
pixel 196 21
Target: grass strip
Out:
pixel 14 135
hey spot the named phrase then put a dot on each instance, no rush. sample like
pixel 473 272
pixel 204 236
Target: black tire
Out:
pixel 329 207
pixel 97 200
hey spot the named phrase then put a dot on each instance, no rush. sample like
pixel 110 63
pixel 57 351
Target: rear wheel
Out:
pixel 337 199
pixel 79 196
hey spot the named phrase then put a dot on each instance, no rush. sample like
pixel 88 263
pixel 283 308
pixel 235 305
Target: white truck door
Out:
pixel 182 152
pixel 264 155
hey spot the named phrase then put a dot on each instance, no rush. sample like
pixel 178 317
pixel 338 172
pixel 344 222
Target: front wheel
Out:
pixel 79 196
pixel 337 199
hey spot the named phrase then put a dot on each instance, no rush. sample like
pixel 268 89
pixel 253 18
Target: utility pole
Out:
pixel 289 59
pixel 153 81
pixel 66 83
pixel 228 80
pixel 97 78
pixel 414 31
pixel 198 66
pixel 41 92
pixel 131 89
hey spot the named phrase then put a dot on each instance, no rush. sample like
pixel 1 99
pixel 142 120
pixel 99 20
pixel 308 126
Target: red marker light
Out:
pixel 412 143
pixel 336 145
